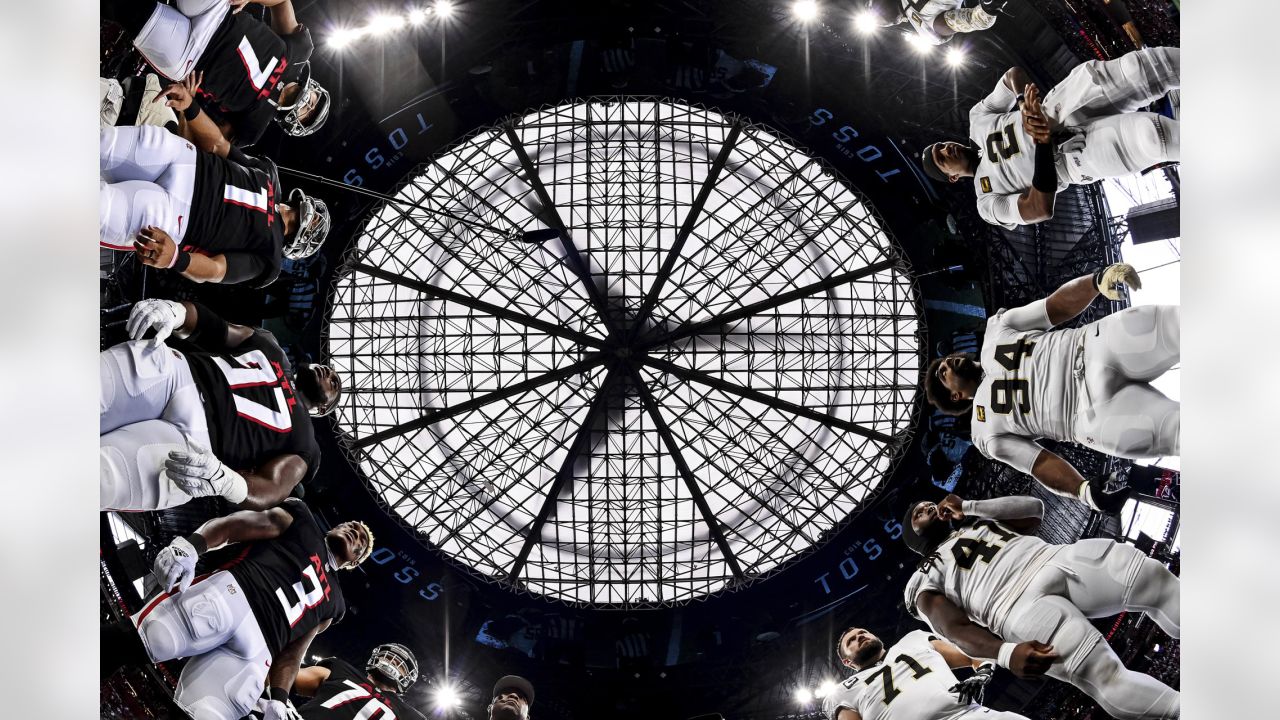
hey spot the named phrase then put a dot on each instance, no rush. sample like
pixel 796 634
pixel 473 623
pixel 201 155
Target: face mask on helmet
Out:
pixel 310 93
pixel 313 226
pixel 396 663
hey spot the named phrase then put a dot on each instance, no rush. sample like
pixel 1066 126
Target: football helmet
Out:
pixel 287 115
pixel 313 226
pixel 396 663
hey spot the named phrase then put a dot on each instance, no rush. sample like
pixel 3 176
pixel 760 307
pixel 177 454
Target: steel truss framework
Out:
pixel 705 372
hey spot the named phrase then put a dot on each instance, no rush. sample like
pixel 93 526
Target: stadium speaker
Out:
pixel 1154 221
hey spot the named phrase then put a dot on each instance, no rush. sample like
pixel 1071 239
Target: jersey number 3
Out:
pixel 252 369
pixel 1012 392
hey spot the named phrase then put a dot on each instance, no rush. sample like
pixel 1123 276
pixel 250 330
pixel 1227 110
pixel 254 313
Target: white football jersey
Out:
pixel 1029 387
pixel 1008 157
pixel 913 682
pixel 982 568
pixel 922 15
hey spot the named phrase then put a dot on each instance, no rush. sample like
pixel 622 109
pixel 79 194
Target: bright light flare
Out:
pixel 446 698
pixel 826 688
pixel 444 9
pixel 417 16
pixel 955 57
pixel 342 37
pixel 804 696
pixel 380 25
pixel 805 10
pixel 919 44
pixel 866 22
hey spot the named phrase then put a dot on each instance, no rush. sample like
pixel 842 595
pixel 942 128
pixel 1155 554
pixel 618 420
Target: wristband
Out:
pixel 1045 178
pixel 1006 655
pixel 1097 278
pixel 192 112
pixel 278 694
pixel 181 260
pixel 198 542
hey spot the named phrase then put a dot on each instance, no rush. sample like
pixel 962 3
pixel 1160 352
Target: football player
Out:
pixel 1089 385
pixel 911 680
pixel 250 617
pixel 1087 128
pixel 253 71
pixel 339 691
pixel 229 418
pixel 936 21
pixel 999 592
pixel 512 697
pixel 213 219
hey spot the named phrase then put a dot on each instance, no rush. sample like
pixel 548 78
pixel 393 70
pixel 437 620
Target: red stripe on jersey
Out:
pixel 271 383
pixel 106 244
pixel 265 425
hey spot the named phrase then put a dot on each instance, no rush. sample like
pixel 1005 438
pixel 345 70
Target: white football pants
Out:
pixel 149 405
pixel 148 177
pixel 1100 99
pixel 1098 578
pixel 1119 412
pixel 174 38
pixel 211 623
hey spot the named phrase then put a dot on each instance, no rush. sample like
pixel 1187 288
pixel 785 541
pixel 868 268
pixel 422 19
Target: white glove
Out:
pixel 163 316
pixel 1108 281
pixel 176 565
pixel 275 710
pixel 199 473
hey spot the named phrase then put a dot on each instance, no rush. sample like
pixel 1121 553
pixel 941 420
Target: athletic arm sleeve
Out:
pixel 1015 451
pixel 1032 316
pixel 1000 101
pixel 244 267
pixel 1014 507
pixel 999 210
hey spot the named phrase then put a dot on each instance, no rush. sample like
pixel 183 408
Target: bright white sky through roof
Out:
pixel 1157 262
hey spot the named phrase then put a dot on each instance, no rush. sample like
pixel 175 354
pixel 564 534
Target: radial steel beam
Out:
pixel 766 399
pixel 770 303
pixel 580 444
pixel 690 221
pixel 686 473
pixel 480 305
pixel 524 386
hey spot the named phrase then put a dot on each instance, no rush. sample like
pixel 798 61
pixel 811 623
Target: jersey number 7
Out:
pixel 374 707
pixel 886 673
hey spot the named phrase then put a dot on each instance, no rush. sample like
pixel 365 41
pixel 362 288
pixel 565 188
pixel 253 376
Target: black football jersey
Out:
pixel 347 694
pixel 245 66
pixel 233 211
pixel 285 579
pixel 251 406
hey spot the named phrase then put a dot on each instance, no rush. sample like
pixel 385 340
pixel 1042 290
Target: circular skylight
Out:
pixel 624 352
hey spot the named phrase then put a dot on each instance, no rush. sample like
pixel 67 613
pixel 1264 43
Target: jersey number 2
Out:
pixel 252 369
pixel 1003 144
pixel 890 691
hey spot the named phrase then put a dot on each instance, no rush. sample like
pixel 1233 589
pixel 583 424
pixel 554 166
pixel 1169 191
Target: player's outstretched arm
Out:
pixel 283 20
pixel 284 666
pixel 309 680
pixel 244 526
pixel 205 329
pixel 1071 299
pixel 271 483
pixel 1020 512
pixel 955 657
pixel 1023 659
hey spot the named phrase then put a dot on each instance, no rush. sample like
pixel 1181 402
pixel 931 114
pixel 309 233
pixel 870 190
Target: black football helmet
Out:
pixel 396 663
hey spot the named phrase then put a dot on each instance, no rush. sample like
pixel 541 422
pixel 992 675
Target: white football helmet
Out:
pixel 396 663
pixel 287 115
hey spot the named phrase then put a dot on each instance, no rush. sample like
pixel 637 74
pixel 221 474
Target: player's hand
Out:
pixel 163 316
pixel 176 565
pixel 269 709
pixel 199 473
pixel 971 689
pixel 238 5
pixel 155 248
pixel 1032 658
pixel 949 508
pixel 1108 281
pixel 179 96
pixel 1034 121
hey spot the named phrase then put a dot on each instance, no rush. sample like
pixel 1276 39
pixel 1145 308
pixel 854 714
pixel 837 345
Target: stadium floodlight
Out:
pixel 417 16
pixel 920 45
pixel 826 688
pixel 446 698
pixel 866 22
pixel 342 37
pixel 804 695
pixel 805 10
pixel 444 9
pixel 380 25
pixel 955 57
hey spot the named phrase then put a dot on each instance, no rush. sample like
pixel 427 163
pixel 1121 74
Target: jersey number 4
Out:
pixel 368 711
pixel 886 674
pixel 1003 144
pixel 1011 392
pixel 968 551
pixel 252 369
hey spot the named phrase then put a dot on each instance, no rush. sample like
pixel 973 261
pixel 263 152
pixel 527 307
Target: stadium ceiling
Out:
pixel 625 352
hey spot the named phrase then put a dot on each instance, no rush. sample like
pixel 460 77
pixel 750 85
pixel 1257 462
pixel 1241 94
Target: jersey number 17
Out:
pixel 253 369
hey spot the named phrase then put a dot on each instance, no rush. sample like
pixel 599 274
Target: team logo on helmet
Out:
pixel 313 226
pixel 396 663
pixel 311 93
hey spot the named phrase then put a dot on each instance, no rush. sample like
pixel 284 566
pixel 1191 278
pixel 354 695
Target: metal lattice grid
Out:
pixel 708 369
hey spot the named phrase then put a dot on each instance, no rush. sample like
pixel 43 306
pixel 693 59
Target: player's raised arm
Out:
pixel 1020 512
pixel 1024 659
pixel 284 667
pixel 283 19
pixel 310 679
pixel 193 123
pixel 185 320
pixel 175 566
pixel 1075 295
